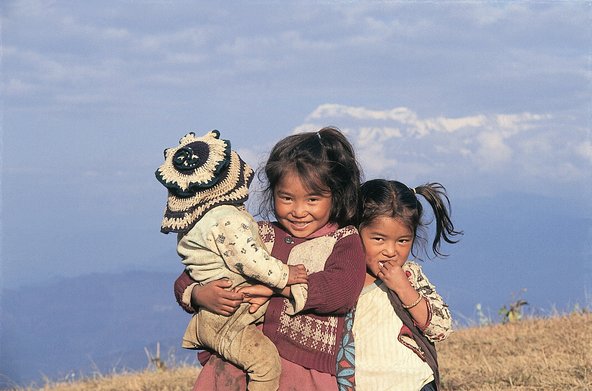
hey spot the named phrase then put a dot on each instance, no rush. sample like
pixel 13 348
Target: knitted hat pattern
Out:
pixel 200 174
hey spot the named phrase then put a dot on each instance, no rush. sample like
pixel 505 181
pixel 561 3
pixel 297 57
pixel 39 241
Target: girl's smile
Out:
pixel 298 210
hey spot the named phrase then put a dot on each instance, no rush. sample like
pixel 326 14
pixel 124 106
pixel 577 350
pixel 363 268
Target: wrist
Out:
pixel 188 297
pixel 415 303
pixel 403 288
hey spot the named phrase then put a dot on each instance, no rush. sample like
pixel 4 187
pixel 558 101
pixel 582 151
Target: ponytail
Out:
pixel 435 195
pixel 384 198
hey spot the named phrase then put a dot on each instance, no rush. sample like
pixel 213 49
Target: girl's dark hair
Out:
pixel 384 198
pixel 324 161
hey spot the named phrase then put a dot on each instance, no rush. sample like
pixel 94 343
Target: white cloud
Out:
pixel 437 108
pixel 374 158
pixel 416 126
pixel 401 114
pixel 451 125
pixel 519 149
pixel 514 123
pixel 492 150
pixel 306 127
pixel 369 135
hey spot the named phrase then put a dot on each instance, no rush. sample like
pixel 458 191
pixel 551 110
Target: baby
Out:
pixel 207 186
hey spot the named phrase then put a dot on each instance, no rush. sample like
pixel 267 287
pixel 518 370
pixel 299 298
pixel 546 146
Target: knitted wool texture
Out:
pixel 200 174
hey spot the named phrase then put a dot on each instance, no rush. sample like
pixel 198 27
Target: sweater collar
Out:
pixel 324 230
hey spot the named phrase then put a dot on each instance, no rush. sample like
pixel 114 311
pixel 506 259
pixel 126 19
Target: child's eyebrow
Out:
pixel 377 232
pixel 319 193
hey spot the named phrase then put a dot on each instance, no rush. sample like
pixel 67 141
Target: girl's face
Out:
pixel 300 211
pixel 385 239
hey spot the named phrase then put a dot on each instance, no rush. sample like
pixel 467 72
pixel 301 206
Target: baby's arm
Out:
pixel 439 324
pixel 236 238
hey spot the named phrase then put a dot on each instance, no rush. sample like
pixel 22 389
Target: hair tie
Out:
pixel 413 190
pixel 319 135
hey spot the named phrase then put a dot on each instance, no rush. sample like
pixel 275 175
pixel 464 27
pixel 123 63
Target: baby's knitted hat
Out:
pixel 200 174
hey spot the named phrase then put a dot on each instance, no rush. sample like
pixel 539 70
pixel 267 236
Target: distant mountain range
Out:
pixel 99 322
pixel 532 248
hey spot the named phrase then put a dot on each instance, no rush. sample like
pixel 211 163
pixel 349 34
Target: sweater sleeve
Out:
pixel 335 289
pixel 226 239
pixel 182 288
pixel 243 252
pixel 439 325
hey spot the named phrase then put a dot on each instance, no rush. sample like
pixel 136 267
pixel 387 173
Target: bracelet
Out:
pixel 416 302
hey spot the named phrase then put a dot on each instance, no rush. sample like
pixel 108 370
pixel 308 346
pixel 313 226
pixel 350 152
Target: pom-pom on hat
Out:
pixel 200 174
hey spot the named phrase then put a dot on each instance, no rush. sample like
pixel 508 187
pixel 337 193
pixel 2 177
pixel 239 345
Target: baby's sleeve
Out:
pixel 439 324
pixel 236 238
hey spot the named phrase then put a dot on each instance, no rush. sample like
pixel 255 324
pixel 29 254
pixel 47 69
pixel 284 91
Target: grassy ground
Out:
pixel 538 354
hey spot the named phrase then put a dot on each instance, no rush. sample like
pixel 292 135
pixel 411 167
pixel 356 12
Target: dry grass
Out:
pixel 178 379
pixel 538 354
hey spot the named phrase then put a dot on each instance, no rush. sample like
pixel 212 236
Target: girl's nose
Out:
pixel 298 210
pixel 389 251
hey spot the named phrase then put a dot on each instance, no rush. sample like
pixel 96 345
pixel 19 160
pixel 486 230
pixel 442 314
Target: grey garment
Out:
pixel 427 348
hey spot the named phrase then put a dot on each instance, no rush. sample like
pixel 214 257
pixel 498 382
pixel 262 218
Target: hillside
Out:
pixel 537 354
pixel 541 354
pixel 98 322
pixel 101 322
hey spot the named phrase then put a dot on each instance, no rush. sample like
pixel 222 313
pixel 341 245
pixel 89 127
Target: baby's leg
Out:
pixel 257 355
pixel 238 340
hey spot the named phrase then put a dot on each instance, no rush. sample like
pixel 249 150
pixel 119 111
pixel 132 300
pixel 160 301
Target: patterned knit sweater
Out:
pixel 337 269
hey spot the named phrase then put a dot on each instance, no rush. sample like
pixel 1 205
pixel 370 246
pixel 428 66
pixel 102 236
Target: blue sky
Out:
pixel 488 98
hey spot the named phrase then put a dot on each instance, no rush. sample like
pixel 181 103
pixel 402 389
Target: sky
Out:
pixel 491 99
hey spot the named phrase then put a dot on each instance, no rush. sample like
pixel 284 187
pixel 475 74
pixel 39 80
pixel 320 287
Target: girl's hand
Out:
pixel 394 277
pixel 256 295
pixel 215 297
pixel 396 280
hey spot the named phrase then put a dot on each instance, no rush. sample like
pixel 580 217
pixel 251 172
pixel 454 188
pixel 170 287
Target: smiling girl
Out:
pixel 312 182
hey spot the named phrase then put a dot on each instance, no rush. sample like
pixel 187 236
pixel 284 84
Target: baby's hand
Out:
pixel 256 295
pixel 297 275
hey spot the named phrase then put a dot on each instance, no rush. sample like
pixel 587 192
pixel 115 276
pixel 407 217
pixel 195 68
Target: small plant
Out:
pixel 483 319
pixel 155 360
pixel 513 313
